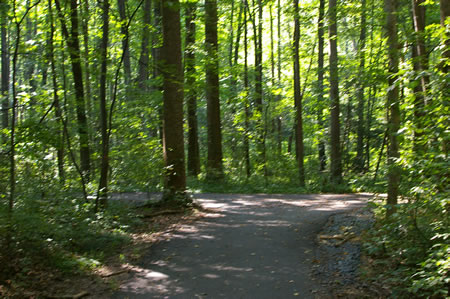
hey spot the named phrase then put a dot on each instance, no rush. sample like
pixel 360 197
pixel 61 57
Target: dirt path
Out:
pixel 253 246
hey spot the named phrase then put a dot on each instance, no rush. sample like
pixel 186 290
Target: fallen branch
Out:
pixel 343 238
pixel 115 273
pixel 76 296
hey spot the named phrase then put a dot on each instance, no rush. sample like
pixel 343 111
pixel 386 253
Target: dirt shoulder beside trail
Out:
pixel 340 256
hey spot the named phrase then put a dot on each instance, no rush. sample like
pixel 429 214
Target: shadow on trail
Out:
pixel 249 246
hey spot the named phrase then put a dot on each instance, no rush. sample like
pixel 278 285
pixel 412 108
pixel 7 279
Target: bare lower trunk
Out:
pixel 173 144
pixel 214 164
pixel 393 105
pixel 335 153
pixel 193 164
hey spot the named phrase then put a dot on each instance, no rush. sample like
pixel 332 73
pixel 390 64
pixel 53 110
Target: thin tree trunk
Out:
pixel 359 161
pixel 125 48
pixel 445 14
pixel 420 65
pixel 102 195
pixel 5 65
pixel 58 113
pixel 173 144
pixel 246 102
pixel 393 105
pixel 335 153
pixel 74 52
pixel 298 98
pixel 156 56
pixel 214 163
pixel 87 69
pixel 144 58
pixel 193 164
pixel 320 87
pixel 279 123
pixel 259 88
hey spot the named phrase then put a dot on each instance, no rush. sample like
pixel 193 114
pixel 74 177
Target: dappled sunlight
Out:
pixel 241 240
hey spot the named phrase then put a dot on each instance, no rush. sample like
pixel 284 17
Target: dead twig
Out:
pixel 76 296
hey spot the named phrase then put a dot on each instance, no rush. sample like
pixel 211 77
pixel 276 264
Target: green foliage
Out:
pixel 62 232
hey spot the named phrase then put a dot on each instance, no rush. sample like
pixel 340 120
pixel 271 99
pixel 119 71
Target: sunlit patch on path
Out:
pixel 248 246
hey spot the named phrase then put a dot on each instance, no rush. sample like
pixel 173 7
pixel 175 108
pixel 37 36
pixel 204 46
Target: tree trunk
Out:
pixel 58 112
pixel 5 65
pixel 359 161
pixel 420 65
pixel 320 87
pixel 73 45
pixel 259 89
pixel 102 196
pixel 87 68
pixel 279 123
pixel 193 164
pixel 156 56
pixel 214 164
pixel 298 98
pixel 392 105
pixel 445 14
pixel 144 58
pixel 335 153
pixel 173 139
pixel 246 102
pixel 125 48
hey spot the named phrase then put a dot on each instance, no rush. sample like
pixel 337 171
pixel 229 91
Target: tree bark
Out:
pixel 5 64
pixel 58 112
pixel 102 196
pixel 445 14
pixel 246 102
pixel 193 164
pixel 279 122
pixel 73 45
pixel 335 153
pixel 125 47
pixel 393 106
pixel 173 139
pixel 298 98
pixel 214 163
pixel 359 161
pixel 144 58
pixel 320 87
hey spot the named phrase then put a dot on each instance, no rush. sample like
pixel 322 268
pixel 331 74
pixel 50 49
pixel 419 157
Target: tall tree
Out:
pixel 214 166
pixel 392 104
pixel 261 126
pixel 172 69
pixel 103 185
pixel 125 41
pixel 445 14
pixel 193 164
pixel 420 65
pixel 144 58
pixel 246 102
pixel 298 98
pixel 320 87
pixel 335 152
pixel 359 162
pixel 56 101
pixel 73 44
pixel 5 63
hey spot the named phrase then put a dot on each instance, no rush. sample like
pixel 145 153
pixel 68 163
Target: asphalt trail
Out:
pixel 252 246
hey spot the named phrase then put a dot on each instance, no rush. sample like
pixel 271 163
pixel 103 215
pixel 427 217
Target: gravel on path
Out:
pixel 248 246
